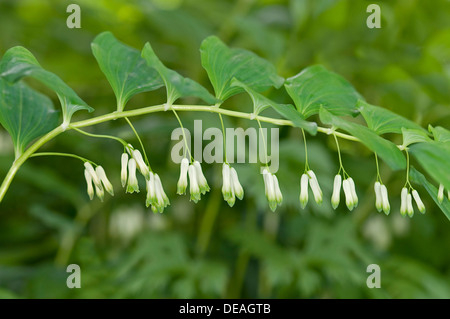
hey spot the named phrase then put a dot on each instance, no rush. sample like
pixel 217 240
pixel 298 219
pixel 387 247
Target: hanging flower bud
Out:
pixel 143 168
pixel 162 199
pixel 194 188
pixel 440 195
pixel 133 185
pixel 304 190
pixel 409 205
pixel 182 181
pixel 226 187
pixel 124 170
pixel 99 191
pixel 418 201
pixel 385 200
pixel 237 187
pixel 378 197
pixel 94 176
pixel 348 194
pixel 90 188
pixel 202 183
pixel 105 181
pixel 336 196
pixel 404 201
pixel 151 191
pixel 353 191
pixel 276 186
pixel 270 189
pixel 314 184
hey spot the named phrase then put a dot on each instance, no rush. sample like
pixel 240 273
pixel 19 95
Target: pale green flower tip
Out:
pixel 240 194
pixel 334 204
pixel 303 204
pixel 272 205
pixel 100 193
pixel 181 189
pixel 195 197
pixel 231 201
pixel 132 188
pixel 387 210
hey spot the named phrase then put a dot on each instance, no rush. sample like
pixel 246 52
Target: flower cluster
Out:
pixel 231 187
pixel 309 178
pixel 406 206
pixel 131 161
pixel 273 192
pixel 381 198
pixel 197 181
pixel 96 178
pixel 440 195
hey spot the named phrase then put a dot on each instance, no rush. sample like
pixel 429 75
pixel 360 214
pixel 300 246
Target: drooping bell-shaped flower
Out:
pixel 336 196
pixel 93 174
pixel 348 194
pixel 151 191
pixel 162 201
pixel 404 201
pixel 410 209
pixel 90 187
pixel 304 190
pixel 276 186
pixel 353 191
pixel 105 181
pixel 124 169
pixel 385 200
pixel 194 189
pixel 314 184
pixel 418 201
pixel 202 183
pixel 133 185
pixel 143 168
pixel 227 187
pixel 270 189
pixel 378 196
pixel 182 181
pixel 236 185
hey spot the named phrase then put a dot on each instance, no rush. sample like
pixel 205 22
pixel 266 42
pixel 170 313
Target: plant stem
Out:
pixel 378 169
pixel 184 135
pixel 224 139
pixel 140 142
pixel 100 135
pixel 264 141
pixel 137 112
pixel 341 167
pixel 306 151
pixel 63 154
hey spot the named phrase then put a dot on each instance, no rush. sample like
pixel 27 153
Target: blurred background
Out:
pixel 208 250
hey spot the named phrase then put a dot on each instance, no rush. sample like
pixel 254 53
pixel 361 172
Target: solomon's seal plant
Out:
pixel 31 120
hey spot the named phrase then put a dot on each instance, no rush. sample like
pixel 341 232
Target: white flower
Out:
pixel 304 190
pixel 276 186
pixel 99 191
pixel 162 199
pixel 151 191
pixel 124 171
pixel 227 187
pixel 270 189
pixel 378 197
pixel 237 187
pixel 418 201
pixel 182 181
pixel 90 188
pixel 440 195
pixel 409 206
pixel 202 183
pixel 94 176
pixel 403 201
pixel 385 200
pixel 143 168
pixel 336 196
pixel 193 184
pixel 317 192
pixel 353 191
pixel 133 185
pixel 348 194
pixel 105 181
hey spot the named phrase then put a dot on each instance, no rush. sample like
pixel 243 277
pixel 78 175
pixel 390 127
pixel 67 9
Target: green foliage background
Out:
pixel 210 250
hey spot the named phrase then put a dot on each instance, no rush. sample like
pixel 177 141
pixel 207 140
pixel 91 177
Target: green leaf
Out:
pixel 411 136
pixel 177 86
pixel 25 114
pixel 383 121
pixel 440 134
pixel 419 178
pixel 260 102
pixel 223 64
pixel 434 157
pixel 18 62
pixel 385 149
pixel 126 71
pixel 315 86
